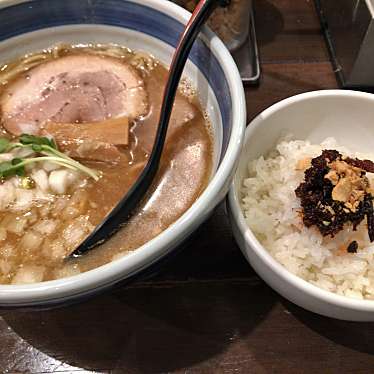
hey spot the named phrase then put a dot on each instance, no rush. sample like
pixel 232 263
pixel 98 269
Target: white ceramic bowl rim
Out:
pixel 110 273
pixel 301 284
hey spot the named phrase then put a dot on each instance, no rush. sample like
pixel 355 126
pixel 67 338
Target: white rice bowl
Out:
pixel 272 211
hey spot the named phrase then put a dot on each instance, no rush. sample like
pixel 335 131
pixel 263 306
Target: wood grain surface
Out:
pixel 204 310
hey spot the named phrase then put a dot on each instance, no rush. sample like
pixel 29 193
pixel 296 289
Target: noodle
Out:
pixel 141 61
pixel 25 64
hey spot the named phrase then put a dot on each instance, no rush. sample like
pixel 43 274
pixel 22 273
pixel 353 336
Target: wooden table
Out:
pixel 206 311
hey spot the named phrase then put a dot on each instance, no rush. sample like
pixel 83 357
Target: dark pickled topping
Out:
pixel 352 247
pixel 335 192
pixel 366 165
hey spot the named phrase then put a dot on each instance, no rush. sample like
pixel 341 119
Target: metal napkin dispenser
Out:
pixel 349 30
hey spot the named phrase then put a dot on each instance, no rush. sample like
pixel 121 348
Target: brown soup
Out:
pixel 42 221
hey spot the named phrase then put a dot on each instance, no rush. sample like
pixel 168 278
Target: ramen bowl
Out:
pixel 154 27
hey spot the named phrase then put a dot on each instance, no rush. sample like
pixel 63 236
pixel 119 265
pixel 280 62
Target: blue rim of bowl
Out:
pixel 237 213
pixel 105 276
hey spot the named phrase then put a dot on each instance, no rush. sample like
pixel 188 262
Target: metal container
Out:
pixel 231 24
pixel 349 30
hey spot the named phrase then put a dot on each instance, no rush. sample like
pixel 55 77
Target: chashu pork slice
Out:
pixel 74 89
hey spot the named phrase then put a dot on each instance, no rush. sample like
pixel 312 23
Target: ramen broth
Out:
pixel 40 227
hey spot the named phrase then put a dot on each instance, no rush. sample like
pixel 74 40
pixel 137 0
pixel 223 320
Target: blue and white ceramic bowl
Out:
pixel 153 26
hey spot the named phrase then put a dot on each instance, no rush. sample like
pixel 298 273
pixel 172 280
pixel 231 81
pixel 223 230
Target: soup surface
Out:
pixel 64 93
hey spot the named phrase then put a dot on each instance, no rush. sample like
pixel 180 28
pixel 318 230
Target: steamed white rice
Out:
pixel 272 211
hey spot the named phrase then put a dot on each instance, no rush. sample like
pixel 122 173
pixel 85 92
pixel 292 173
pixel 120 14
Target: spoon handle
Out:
pixel 201 13
pixel 123 210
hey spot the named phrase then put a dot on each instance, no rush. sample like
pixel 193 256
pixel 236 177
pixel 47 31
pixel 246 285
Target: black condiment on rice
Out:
pixel 335 192
pixel 352 247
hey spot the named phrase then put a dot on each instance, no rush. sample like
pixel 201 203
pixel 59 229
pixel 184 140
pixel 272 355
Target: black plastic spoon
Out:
pixel 123 210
